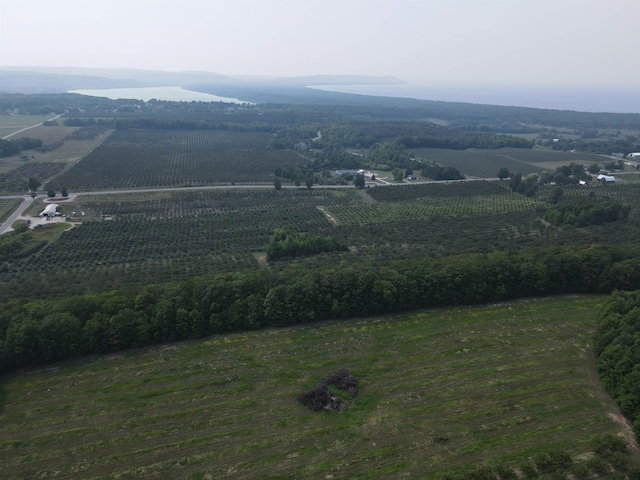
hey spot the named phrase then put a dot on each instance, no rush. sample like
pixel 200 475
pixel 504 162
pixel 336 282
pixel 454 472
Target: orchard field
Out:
pixel 486 163
pixel 138 238
pixel 157 158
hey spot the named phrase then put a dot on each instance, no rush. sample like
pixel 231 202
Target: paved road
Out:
pixel 6 226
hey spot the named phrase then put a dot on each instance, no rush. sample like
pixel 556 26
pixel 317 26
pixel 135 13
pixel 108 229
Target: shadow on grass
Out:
pixel 3 390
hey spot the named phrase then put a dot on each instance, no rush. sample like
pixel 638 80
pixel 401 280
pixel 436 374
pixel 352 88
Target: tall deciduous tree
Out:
pixel 33 184
pixel 503 173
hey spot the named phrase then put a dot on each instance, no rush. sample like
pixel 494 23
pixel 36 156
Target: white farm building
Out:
pixel 50 211
pixel 606 178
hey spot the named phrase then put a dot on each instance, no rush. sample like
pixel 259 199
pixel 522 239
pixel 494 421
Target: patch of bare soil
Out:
pixel 627 431
pixel 330 217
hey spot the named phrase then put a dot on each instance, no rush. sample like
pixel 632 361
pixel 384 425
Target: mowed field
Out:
pixel 438 391
pixel 12 123
pixel 486 163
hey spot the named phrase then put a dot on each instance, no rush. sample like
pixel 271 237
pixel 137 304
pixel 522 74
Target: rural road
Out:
pixel 27 201
pixel 32 126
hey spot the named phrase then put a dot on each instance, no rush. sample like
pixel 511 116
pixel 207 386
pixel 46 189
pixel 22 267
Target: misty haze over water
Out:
pixel 578 99
pixel 561 98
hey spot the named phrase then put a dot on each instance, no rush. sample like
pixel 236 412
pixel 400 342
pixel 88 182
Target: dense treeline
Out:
pixel 18 243
pixel 415 135
pixel 15 146
pixel 617 348
pixel 16 180
pixel 388 155
pixel 587 211
pixel 88 122
pixel 288 244
pixel 437 172
pixel 459 140
pixel 42 331
pixel 603 147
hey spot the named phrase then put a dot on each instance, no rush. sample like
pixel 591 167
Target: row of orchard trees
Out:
pixel 43 331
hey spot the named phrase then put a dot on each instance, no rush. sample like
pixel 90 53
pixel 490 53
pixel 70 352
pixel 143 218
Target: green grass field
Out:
pixel 13 123
pixel 7 207
pixel 438 391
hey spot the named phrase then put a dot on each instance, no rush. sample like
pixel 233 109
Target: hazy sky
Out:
pixel 438 42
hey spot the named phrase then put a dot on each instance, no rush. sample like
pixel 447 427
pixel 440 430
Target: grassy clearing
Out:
pixel 7 207
pixel 13 123
pixel 438 391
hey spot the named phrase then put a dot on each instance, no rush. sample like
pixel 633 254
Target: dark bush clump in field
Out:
pixel 529 470
pixel 598 465
pixel 606 445
pixel 479 473
pixel 580 471
pixel 506 473
pixel 344 380
pixel 322 398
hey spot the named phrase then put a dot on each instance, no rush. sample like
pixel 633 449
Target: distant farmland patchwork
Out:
pixel 438 392
pixel 486 163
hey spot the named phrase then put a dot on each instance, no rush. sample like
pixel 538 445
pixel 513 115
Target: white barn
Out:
pixel 50 211
pixel 606 178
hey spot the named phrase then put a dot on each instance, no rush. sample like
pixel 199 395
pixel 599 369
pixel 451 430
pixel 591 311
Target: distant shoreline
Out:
pixel 174 94
pixel 596 99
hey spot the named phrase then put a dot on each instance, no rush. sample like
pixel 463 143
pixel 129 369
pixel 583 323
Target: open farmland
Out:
pixel 486 163
pixel 153 158
pixel 438 392
pixel 12 123
pixel 61 147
